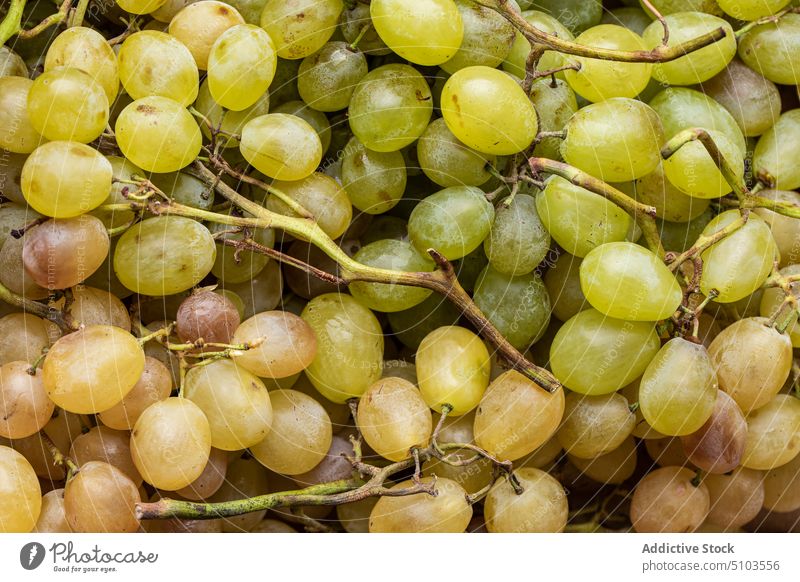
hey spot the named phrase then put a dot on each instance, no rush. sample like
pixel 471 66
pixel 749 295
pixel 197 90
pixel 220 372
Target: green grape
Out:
pixel 700 65
pixel 717 446
pixel 121 169
pixel 284 85
pixel 670 203
pixel 396 255
pixel 772 434
pixel 164 255
pixel 781 491
pixel 626 281
pixel 63 179
pixel 518 241
pixel 594 354
pixel 487 38
pixel 564 287
pixel 616 140
pixel 281 146
pixel 262 292
pixel 200 24
pixel 693 171
pixel 92 369
pixel 235 402
pixel 740 263
pixel 426 40
pixel 555 103
pixel 678 389
pixel 515 61
pixel 614 467
pixel 10 172
pixel 735 499
pixel 774 297
pixel 576 15
pixel 184 189
pixel 241 66
pixel 170 8
pixel 454 221
pixel 518 306
pixel 470 99
pixel 570 214
pixel 632 18
pixel 752 360
pixel 316 119
pixel 233 266
pixel 300 27
pixel 753 101
pixel 249 9
pixel 447 161
pixel 350 346
pixel 784 228
pixel 17 133
pixel 86 49
pixel 321 196
pixel 356 23
pixel 326 80
pixel 540 508
pixel 140 6
pixel 11 64
pixel 597 79
pixel 672 6
pixel 774 152
pixel 390 107
pixel 452 368
pixel 290 344
pixel 679 236
pixel 374 181
pixel 773 48
pixel 158 134
pixel 666 500
pixel 594 425
pixel 682 108
pixel 231 122
pixel 412 325
pixel 155 63
pixel 20 493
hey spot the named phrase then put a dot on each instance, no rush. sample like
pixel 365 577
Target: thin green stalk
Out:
pixel 12 23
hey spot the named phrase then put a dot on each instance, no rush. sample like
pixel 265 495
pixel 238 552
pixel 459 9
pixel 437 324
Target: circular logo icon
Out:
pixel 31 555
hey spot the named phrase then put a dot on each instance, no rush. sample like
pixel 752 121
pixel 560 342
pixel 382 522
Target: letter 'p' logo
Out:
pixel 31 555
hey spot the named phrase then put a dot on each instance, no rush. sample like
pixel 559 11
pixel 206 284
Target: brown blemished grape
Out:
pixel 540 508
pixel 782 487
pixel 20 494
pixel 91 306
pixel 153 385
pixel 718 445
pixel 334 466
pixel 447 512
pixel 12 270
pixel 666 500
pixel 101 499
pixel 53 517
pixel 594 425
pixel 289 344
pixel 24 406
pixel 210 480
pixel 109 446
pixel 207 315
pixel 735 497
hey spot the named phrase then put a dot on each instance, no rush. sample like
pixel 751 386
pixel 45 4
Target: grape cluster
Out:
pixel 442 265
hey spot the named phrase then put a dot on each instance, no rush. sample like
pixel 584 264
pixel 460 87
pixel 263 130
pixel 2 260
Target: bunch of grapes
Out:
pixel 440 265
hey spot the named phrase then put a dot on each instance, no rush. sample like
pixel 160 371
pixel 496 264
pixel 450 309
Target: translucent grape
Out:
pixel 17 133
pixel 23 336
pixel 518 240
pixel 773 154
pixel 300 27
pixel 564 287
pixel 784 228
pixel 772 49
pixel 20 494
pixel 735 498
pixel 772 433
pixel 100 498
pixel 692 170
pixel 52 518
pixel 326 79
pixel 515 61
pixel 487 38
pixel 412 325
pixel 107 445
pixel 316 119
pixel 210 480
pixel 11 64
pixel 447 161
pixel 24 405
pixel 233 121
pixel 281 146
pixel 666 500
pixel 374 181
pixel 670 203
pixel 321 196
pixel 208 316
pixel 555 103
pixel 289 344
pixel 87 50
pixel 447 512
pixel 200 24
pixel 140 6
pixel 613 467
pixel 594 425
pixel 781 487
pixel 541 508
pixel 262 293
pixel 154 385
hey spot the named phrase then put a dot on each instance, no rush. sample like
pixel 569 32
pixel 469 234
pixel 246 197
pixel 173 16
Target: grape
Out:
pixel 326 79
pixel 672 6
pixel 574 14
pixel 140 6
pixel 171 443
pixel 594 354
pixel 374 181
pixel 680 236
pixel 563 284
pixel 235 265
pixel 412 325
pixel 354 516
pixel 752 100
pixel 487 38
pixel 784 228
pixel 666 500
pixel 281 146
pixel 597 79
pixel 14 216
pixel 245 478
pixel 208 316
pixel 540 508
pixel 10 172
pixel 518 240
pixel 121 169
pixel 231 122
pixel 570 214
pixel 781 490
pixel 773 298
pixel 24 405
pixel 154 385
pixel 155 63
pixel 109 446
pixel 393 418
pixel 11 64
pixel 772 433
pixel 555 103
pixel 632 18
pixel 13 274
pixel 447 161
pixel 23 336
pixel 469 107
pixel 164 255
pixel 234 401
pixel 62 253
pixel 92 369
pixel 445 512
pixel 289 344
pixel 241 65
pixel 166 12
pixel 452 368
pixel 692 170
pixel 543 456
pixel 614 467
pixel 515 61
pixel 20 494
pixel 300 27
pixel 615 140
pixel 316 119
pixel 210 480
pixel 740 263
pixel 333 467
pixel 735 498
pixel 302 283
pixel 594 425
pixel 772 49
pixel 718 445
pixel 515 416
pixel 701 64
pixel 390 107
pixel 87 50
pixel 670 203
pixel 52 518
pixel 63 179
pixel 262 293
pixel 17 133
pixel 200 24
pixel 453 221
pixel 519 307
pixel 300 436
pixel 321 196
pixel 772 155
pixel 101 498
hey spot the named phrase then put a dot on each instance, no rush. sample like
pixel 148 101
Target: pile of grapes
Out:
pixel 399 265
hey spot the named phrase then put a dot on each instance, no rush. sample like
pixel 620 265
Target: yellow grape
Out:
pixel 289 344
pixel 154 385
pixel 52 518
pixel 140 6
pixel 11 64
pixel 446 512
pixel 17 133
pixel 564 287
pixel 771 49
pixel 666 500
pixel 782 487
pixel 300 27
pixel 281 146
pixel 594 425
pixel 24 406
pixel 321 196
pixel 772 433
pixel 86 49
pixel 23 336
pixel 231 122
pixel 447 161
pixel 540 508
pixel 487 38
pixel 751 9
pixel 736 498
pixel 613 467
pixel 773 152
pixel 20 494
pixel 200 24
pixel 91 306
pixel 101 499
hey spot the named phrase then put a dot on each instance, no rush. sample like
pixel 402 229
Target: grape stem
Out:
pixel 784 208
pixel 59 458
pixel 648 5
pixel 765 20
pixel 704 242
pixel 44 311
pixel 12 23
pixel 660 54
